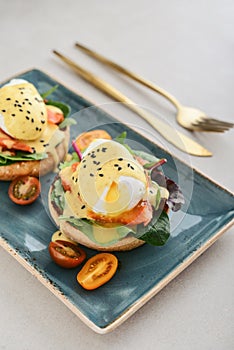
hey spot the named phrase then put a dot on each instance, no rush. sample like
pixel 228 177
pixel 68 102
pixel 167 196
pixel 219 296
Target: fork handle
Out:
pixel 130 74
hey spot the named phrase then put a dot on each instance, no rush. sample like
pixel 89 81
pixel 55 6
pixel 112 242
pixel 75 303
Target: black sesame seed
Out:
pixel 32 120
pixel 42 121
pixel 28 112
pixel 98 150
pixel 101 175
pixel 30 103
pixel 37 129
pixel 129 165
pixel 151 191
pixel 26 99
pixel 99 169
pixel 97 163
pixel 78 193
pixel 84 160
pixel 21 92
pixel 3 110
pixel 93 155
pixel 84 166
pixel 8 99
pixel 42 141
pixel 21 110
pixel 23 103
pixel 132 167
pixel 13 115
pixel 42 113
pixel 91 174
pixel 15 105
pixel 116 165
pixel 73 178
pixel 120 159
pixel 104 149
pixel 119 168
pixel 27 117
pixel 83 206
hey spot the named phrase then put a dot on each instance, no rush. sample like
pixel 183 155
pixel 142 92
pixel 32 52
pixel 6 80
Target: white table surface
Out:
pixel 187 48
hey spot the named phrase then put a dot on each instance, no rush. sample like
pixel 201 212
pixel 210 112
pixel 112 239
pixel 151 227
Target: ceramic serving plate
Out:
pixel 25 232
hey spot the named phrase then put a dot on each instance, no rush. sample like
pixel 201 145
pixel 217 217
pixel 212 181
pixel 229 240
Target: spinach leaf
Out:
pixel 159 232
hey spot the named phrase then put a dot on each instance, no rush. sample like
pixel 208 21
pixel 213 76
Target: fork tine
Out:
pixel 220 122
pixel 211 124
pixel 208 128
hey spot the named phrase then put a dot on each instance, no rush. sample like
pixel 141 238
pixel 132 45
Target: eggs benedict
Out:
pixel 108 200
pixel 31 143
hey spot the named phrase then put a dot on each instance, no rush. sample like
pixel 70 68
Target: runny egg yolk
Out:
pixel 113 193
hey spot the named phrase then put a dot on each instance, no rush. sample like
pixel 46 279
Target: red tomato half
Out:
pixel 66 254
pixel 24 190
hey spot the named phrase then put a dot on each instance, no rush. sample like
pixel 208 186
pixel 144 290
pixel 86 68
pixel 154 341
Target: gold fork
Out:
pixel 190 118
pixel 181 141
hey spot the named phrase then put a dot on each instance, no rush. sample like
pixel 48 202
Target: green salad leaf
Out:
pixel 57 194
pixel 159 232
pixel 49 92
pixel 73 159
pixel 6 159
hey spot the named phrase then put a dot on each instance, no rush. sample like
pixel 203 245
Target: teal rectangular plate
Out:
pixel 25 232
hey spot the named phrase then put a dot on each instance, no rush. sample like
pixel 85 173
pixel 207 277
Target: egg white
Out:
pixel 130 192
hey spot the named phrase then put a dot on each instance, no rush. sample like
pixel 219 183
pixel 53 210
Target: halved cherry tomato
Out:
pixel 54 114
pixel 60 236
pixel 24 190
pixel 66 254
pixel 97 271
pixel 84 139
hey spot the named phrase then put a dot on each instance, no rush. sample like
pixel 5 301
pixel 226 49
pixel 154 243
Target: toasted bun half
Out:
pixel 36 167
pixel 76 235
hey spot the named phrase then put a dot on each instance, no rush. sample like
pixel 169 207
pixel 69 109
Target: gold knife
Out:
pixel 181 141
